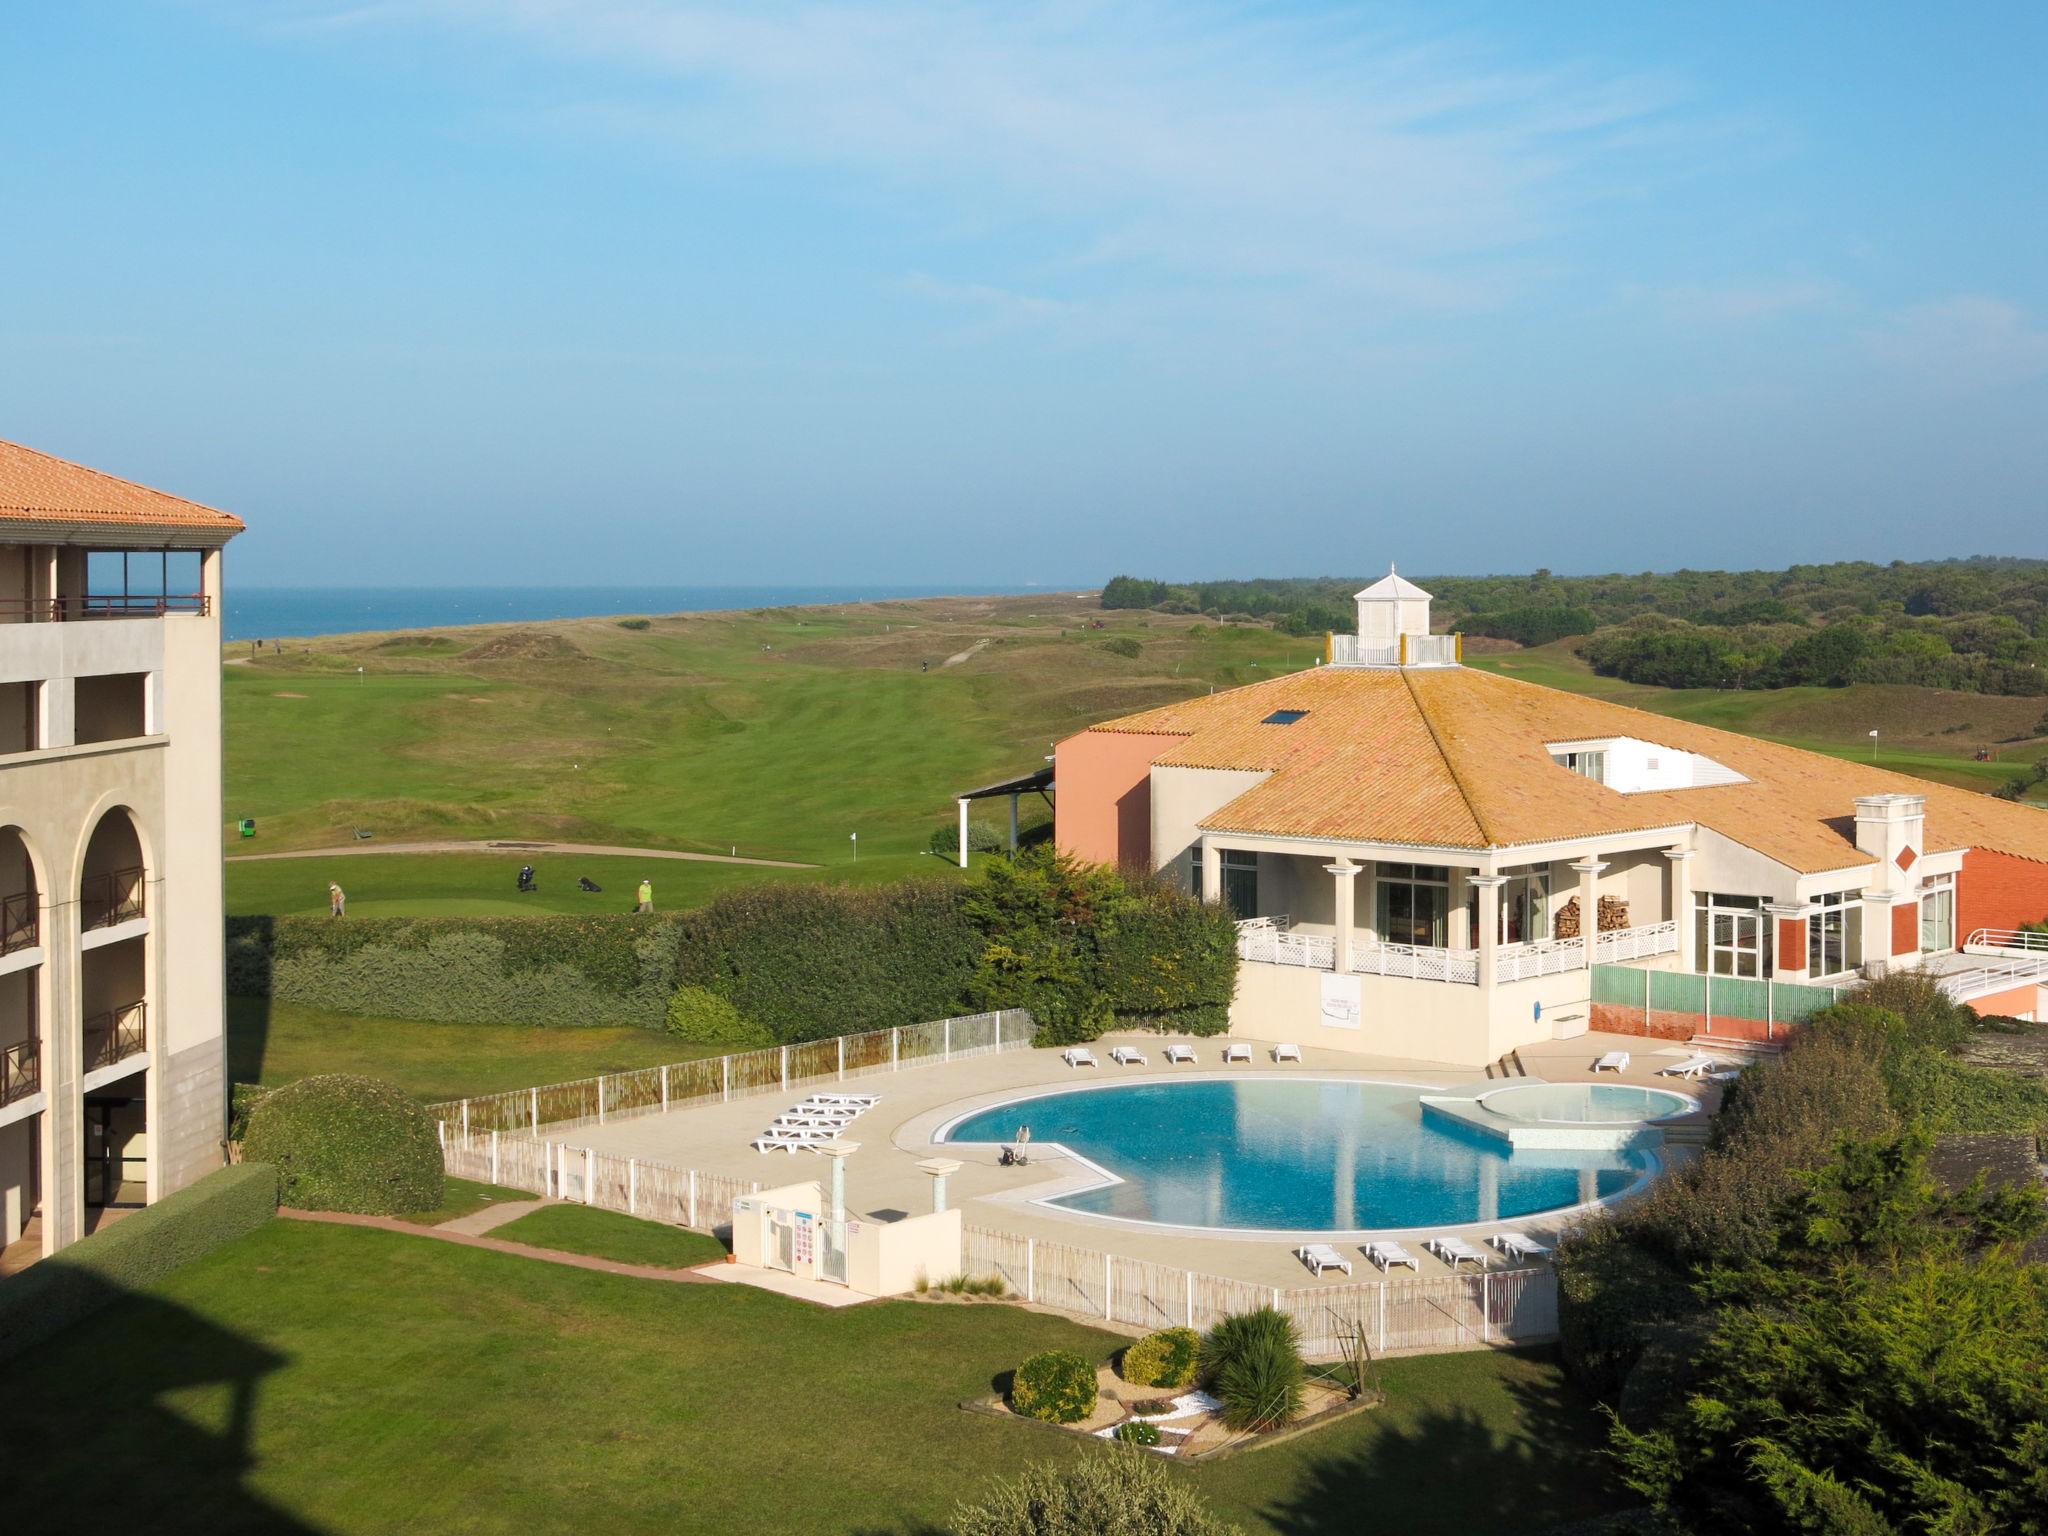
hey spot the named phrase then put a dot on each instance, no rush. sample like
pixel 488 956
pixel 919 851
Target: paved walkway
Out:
pixel 491 1217
pixel 454 845
pixel 499 1245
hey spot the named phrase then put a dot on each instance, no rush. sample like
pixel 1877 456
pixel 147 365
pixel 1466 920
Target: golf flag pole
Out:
pixel 1873 746
pixel 854 838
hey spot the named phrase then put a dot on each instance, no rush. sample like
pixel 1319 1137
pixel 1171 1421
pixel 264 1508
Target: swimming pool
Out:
pixel 1296 1155
pixel 1584 1103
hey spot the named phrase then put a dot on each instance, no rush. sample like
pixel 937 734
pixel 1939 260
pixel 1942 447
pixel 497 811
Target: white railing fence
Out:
pixel 1418 962
pixel 1312 951
pixel 1643 943
pixel 1546 957
pixel 1983 980
pixel 1398 1316
pixel 1409 650
pixel 719 1079
pixel 2007 941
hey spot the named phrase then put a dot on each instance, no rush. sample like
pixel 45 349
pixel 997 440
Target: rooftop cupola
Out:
pixel 1393 628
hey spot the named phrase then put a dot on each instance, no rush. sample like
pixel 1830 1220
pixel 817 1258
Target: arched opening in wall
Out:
pixel 110 890
pixel 22 1069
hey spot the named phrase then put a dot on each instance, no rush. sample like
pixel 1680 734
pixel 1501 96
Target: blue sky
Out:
pixel 624 290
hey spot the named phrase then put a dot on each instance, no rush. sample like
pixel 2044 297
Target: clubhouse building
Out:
pixel 1437 862
pixel 112 1071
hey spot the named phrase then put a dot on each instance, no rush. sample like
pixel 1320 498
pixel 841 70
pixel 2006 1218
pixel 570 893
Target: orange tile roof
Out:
pixel 41 488
pixel 1456 757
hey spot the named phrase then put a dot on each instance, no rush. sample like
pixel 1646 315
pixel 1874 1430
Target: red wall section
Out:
pixel 1906 930
pixel 1103 802
pixel 2008 1004
pixel 1792 942
pixel 1998 890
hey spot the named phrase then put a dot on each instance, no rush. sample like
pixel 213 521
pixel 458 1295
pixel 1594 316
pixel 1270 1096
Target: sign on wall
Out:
pixel 1342 1004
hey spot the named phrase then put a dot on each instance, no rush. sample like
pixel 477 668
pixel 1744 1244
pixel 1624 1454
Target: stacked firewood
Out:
pixel 1611 914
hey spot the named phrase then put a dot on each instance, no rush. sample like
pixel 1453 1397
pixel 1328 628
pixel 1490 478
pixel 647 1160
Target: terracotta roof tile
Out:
pixel 41 488
pixel 1456 757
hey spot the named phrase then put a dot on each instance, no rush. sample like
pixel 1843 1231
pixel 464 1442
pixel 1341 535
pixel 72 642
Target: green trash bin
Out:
pixel 248 826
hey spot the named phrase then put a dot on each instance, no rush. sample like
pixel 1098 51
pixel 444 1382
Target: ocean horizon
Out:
pixel 279 613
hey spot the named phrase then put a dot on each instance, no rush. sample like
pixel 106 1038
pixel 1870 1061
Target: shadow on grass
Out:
pixel 1453 1469
pixel 93 1441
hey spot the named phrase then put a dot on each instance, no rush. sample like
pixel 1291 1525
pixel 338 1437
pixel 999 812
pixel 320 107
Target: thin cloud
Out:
pixel 1963 343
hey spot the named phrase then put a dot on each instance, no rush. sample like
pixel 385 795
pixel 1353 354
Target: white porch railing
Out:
pixel 1273 946
pixel 1418 962
pixel 1962 986
pixel 2005 941
pixel 1546 957
pixel 1409 650
pixel 1636 943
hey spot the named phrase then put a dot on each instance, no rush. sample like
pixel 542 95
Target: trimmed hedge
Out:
pixel 813 961
pixel 346 1143
pixel 134 1252
pixel 1168 1358
pixel 1058 1386
pixel 553 971
pixel 705 1018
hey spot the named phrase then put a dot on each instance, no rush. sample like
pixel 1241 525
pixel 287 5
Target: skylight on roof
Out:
pixel 1284 717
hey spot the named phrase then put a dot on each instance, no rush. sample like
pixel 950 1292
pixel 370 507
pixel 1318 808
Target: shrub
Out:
pixel 1168 1358
pixel 242 1098
pixel 556 971
pixel 1122 645
pixel 1125 1493
pixel 813 961
pixel 1137 1432
pixel 705 1018
pixel 347 1143
pixel 1057 1386
pixel 1252 1361
pixel 1614 1295
pixel 636 623
pixel 133 1253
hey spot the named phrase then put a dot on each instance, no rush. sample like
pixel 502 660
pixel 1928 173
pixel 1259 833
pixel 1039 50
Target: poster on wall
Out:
pixel 1342 1008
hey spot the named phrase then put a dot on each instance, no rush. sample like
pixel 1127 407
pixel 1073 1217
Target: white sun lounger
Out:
pixel 854 1100
pixel 1321 1256
pixel 1129 1056
pixel 1180 1053
pixel 793 1138
pixel 1391 1256
pixel 1237 1050
pixel 1516 1246
pixel 807 1119
pixel 1725 1072
pixel 1455 1251
pixel 1079 1056
pixel 1692 1066
pixel 1287 1053
pixel 1613 1061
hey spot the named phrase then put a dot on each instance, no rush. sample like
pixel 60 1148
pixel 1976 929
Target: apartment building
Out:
pixel 112 1031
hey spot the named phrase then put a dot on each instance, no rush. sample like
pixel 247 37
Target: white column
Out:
pixel 1588 871
pixel 1346 875
pixel 1488 936
pixel 963 834
pixel 1212 872
pixel 839 1152
pixel 937 1169
pixel 1680 860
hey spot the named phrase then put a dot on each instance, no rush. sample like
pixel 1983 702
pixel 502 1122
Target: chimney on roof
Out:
pixel 1390 608
pixel 1892 829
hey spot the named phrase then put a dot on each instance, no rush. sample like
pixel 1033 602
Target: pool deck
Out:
pixel 884 1183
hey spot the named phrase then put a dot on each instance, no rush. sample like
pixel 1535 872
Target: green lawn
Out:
pixel 608 1235
pixel 311 1378
pixel 274 1043
pixel 784 732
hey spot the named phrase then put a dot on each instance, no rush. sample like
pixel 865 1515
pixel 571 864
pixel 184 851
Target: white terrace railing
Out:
pixel 718 1079
pixel 1641 943
pixel 1983 980
pixel 1545 957
pixel 2005 941
pixel 1408 651
pixel 1269 941
pixel 1418 962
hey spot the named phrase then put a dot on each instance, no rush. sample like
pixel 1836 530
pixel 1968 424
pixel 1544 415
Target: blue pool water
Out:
pixel 1296 1155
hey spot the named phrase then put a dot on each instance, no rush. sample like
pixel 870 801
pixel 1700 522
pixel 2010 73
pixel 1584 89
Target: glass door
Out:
pixel 1413 904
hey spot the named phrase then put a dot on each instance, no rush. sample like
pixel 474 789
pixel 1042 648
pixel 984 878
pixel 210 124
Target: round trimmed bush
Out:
pixel 1057 1386
pixel 1167 1358
pixel 699 1015
pixel 347 1143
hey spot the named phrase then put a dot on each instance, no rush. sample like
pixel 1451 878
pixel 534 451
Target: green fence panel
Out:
pixel 1734 997
pixel 1619 984
pixel 1677 992
pixel 1795 1003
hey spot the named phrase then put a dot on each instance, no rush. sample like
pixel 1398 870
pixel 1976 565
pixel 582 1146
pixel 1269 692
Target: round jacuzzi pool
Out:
pixel 1583 1104
pixel 1295 1154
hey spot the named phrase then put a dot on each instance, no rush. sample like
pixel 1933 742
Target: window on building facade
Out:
pixel 1937 914
pixel 1590 765
pixel 1834 934
pixel 1730 935
pixel 1240 881
pixel 1413 904
pixel 1525 905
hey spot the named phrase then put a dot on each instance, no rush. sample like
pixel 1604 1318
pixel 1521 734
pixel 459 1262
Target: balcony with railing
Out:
pixel 1404 651
pixel 20 922
pixel 21 1071
pixel 111 897
pixel 1270 941
pixel 116 1035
